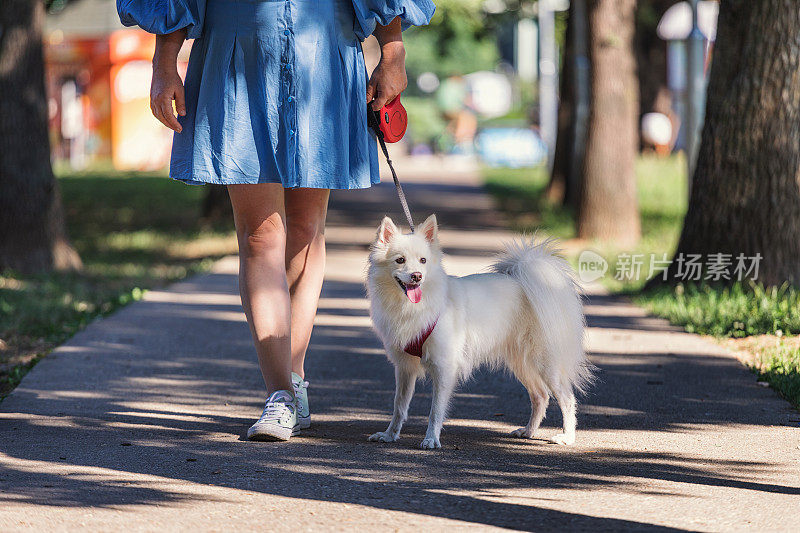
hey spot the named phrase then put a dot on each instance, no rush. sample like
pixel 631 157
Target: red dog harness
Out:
pixel 415 346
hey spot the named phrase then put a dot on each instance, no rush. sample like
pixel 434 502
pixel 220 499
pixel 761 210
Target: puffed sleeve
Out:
pixel 164 16
pixel 372 12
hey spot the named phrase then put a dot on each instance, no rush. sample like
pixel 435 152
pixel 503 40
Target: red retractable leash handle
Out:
pixel 393 120
pixel 390 121
pixel 389 124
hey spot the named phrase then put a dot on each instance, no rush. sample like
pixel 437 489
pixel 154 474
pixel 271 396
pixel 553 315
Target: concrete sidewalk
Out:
pixel 138 422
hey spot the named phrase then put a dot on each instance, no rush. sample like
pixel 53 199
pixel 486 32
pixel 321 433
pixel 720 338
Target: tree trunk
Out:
pixel 556 192
pixel 745 197
pixel 32 236
pixel 573 112
pixel 609 209
pixel 216 204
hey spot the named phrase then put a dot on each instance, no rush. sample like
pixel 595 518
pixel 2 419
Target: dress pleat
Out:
pixel 275 89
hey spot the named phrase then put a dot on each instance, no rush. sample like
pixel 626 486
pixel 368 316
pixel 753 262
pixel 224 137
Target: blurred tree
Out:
pixel 32 234
pixel 651 54
pixel 608 206
pixel 566 175
pixel 651 57
pixel 460 39
pixel 556 191
pixel 745 196
pixel 216 204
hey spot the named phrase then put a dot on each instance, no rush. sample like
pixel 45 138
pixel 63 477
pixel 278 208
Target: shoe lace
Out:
pixel 275 410
pixel 300 385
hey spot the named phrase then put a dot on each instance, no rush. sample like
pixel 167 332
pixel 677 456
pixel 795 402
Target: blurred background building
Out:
pixel 98 83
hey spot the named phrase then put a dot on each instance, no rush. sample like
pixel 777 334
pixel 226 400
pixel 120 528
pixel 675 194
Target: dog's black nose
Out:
pixel 416 277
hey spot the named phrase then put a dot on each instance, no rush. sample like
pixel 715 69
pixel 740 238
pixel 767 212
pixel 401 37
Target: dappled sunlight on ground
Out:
pixel 144 414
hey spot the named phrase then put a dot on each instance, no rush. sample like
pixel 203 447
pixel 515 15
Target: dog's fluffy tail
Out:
pixel 555 297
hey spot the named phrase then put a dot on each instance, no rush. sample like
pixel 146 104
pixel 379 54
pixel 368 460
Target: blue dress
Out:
pixel 275 89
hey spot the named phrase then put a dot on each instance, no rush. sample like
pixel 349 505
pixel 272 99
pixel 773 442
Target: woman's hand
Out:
pixel 389 77
pixel 167 85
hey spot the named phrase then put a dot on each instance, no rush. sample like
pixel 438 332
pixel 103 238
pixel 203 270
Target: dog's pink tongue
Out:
pixel 414 293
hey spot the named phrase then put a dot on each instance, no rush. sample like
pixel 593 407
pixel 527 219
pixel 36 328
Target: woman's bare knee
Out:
pixel 258 211
pixel 300 232
pixel 263 239
pixel 305 216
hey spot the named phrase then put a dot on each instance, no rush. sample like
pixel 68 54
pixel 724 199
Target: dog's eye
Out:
pixel 400 260
pixel 423 260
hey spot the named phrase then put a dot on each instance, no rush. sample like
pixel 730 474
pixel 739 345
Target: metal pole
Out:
pixel 695 94
pixel 548 79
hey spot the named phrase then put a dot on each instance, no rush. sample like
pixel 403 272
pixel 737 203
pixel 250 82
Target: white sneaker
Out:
pixel 301 393
pixel 278 420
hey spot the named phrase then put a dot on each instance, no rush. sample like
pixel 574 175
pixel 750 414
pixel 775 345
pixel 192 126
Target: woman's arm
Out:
pixel 167 84
pixel 389 78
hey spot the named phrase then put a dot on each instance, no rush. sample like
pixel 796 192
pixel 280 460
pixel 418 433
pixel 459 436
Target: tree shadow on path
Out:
pixel 164 409
pixel 141 405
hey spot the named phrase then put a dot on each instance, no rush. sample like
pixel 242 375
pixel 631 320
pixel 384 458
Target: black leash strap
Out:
pixel 374 118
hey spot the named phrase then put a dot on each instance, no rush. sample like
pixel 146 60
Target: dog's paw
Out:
pixel 564 439
pixel 522 433
pixel 430 443
pixel 383 436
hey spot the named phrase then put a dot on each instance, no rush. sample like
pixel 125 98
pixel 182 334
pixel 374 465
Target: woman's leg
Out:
pixel 259 214
pixel 305 263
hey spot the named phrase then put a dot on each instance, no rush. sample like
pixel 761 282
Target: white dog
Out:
pixel 525 315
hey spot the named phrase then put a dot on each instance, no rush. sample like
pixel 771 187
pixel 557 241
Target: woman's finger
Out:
pixel 392 94
pixel 169 116
pixel 156 110
pixel 180 101
pixel 371 89
pixel 381 98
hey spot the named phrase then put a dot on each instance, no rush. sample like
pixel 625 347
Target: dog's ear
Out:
pixel 430 229
pixel 386 231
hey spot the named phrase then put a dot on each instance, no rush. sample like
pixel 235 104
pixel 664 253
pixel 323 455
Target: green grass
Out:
pixel 133 231
pixel 737 311
pixel 724 312
pixel 780 367
pixel 519 193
